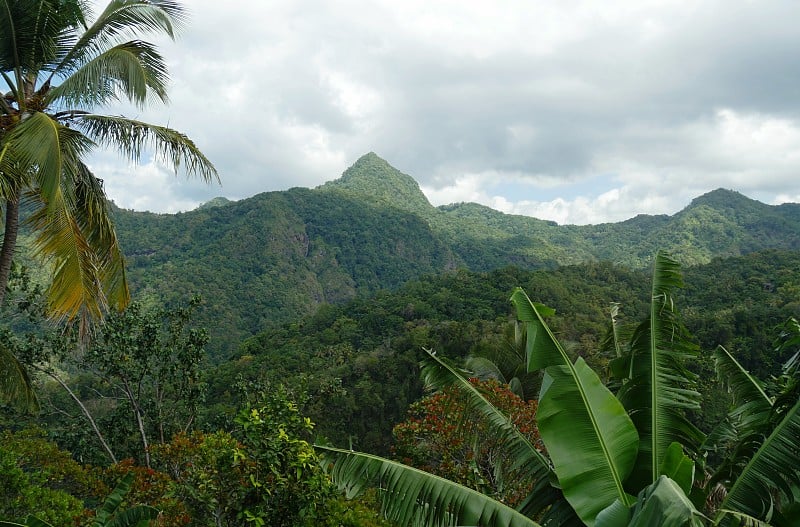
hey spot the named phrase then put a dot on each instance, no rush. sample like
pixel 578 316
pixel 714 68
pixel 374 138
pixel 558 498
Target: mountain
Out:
pixel 375 179
pixel 270 259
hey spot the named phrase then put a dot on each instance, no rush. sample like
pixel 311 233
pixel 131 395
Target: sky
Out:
pixel 575 111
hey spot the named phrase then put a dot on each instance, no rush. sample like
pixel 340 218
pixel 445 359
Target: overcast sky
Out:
pixel 578 112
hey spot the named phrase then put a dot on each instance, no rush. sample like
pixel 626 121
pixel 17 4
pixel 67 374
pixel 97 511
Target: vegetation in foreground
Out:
pixel 627 457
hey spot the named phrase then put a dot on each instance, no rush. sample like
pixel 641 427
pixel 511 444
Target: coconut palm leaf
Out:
pixel 413 497
pixel 588 435
pixel 32 34
pixel 15 385
pixel 134 69
pixel 772 469
pixel 94 220
pixel 661 388
pixel 118 21
pixel 53 151
pixel 131 137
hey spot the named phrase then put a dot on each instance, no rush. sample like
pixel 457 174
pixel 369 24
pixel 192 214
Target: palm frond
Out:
pixel 16 388
pixel 94 220
pixel 121 20
pixel 578 414
pixel 14 175
pixel 75 290
pixel 661 388
pixel 46 148
pixel 35 33
pixel 134 69
pixel 772 469
pixel 132 137
pixel 413 497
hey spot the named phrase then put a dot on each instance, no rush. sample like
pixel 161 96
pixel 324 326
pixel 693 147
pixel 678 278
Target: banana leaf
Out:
pixel 661 388
pixel 772 473
pixel 412 497
pixel 590 438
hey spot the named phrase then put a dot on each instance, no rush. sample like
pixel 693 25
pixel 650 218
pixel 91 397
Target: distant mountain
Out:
pixel 276 256
pixel 375 179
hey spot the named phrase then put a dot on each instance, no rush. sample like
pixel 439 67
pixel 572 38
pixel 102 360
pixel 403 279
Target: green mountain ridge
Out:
pixel 272 258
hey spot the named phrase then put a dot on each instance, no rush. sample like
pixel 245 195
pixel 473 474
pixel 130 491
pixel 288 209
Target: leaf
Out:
pixel 773 468
pixel 590 438
pixel 413 497
pixel 130 137
pixel 678 467
pixel 113 501
pixel 743 429
pixel 661 388
pixel 664 504
pixel 16 388
pixel 528 461
pixel 615 515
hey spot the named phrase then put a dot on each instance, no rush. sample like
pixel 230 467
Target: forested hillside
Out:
pixel 272 258
pixel 358 360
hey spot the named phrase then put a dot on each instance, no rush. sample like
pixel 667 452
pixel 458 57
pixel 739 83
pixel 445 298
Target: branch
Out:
pixel 83 409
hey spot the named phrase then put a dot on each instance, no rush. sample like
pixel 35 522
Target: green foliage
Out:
pixel 60 65
pixel 593 443
pixel 39 479
pixel 373 229
pixel 442 436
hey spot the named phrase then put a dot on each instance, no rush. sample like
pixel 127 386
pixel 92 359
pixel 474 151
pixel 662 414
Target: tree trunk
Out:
pixel 9 244
pixel 85 411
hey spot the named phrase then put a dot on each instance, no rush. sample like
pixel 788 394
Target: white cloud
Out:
pixel 659 100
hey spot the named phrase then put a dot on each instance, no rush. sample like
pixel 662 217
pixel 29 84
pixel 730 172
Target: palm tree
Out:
pixel 615 460
pixel 58 66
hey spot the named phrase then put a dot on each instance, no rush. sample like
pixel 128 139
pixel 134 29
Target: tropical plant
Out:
pixel 58 67
pixel 109 514
pixel 438 437
pixel 614 460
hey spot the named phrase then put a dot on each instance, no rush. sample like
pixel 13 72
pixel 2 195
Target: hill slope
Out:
pixel 276 256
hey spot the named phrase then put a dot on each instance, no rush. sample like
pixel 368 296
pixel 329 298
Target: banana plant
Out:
pixel 617 460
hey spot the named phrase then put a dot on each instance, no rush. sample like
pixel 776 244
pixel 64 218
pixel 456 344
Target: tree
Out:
pixel 58 67
pixel 143 370
pixel 439 437
pixel 109 514
pixel 615 460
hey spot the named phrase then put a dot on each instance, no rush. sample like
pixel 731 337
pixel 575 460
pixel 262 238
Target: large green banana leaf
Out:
pixel 660 388
pixel 661 504
pixel 743 429
pixel 590 438
pixel 417 498
pixel 772 472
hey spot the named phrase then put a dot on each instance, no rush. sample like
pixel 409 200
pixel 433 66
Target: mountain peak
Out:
pixel 727 200
pixel 374 178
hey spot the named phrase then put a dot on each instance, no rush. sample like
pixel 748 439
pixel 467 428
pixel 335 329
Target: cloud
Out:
pixel 588 111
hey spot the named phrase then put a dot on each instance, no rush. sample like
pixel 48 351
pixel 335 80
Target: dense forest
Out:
pixel 277 256
pixel 353 367
pixel 351 356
